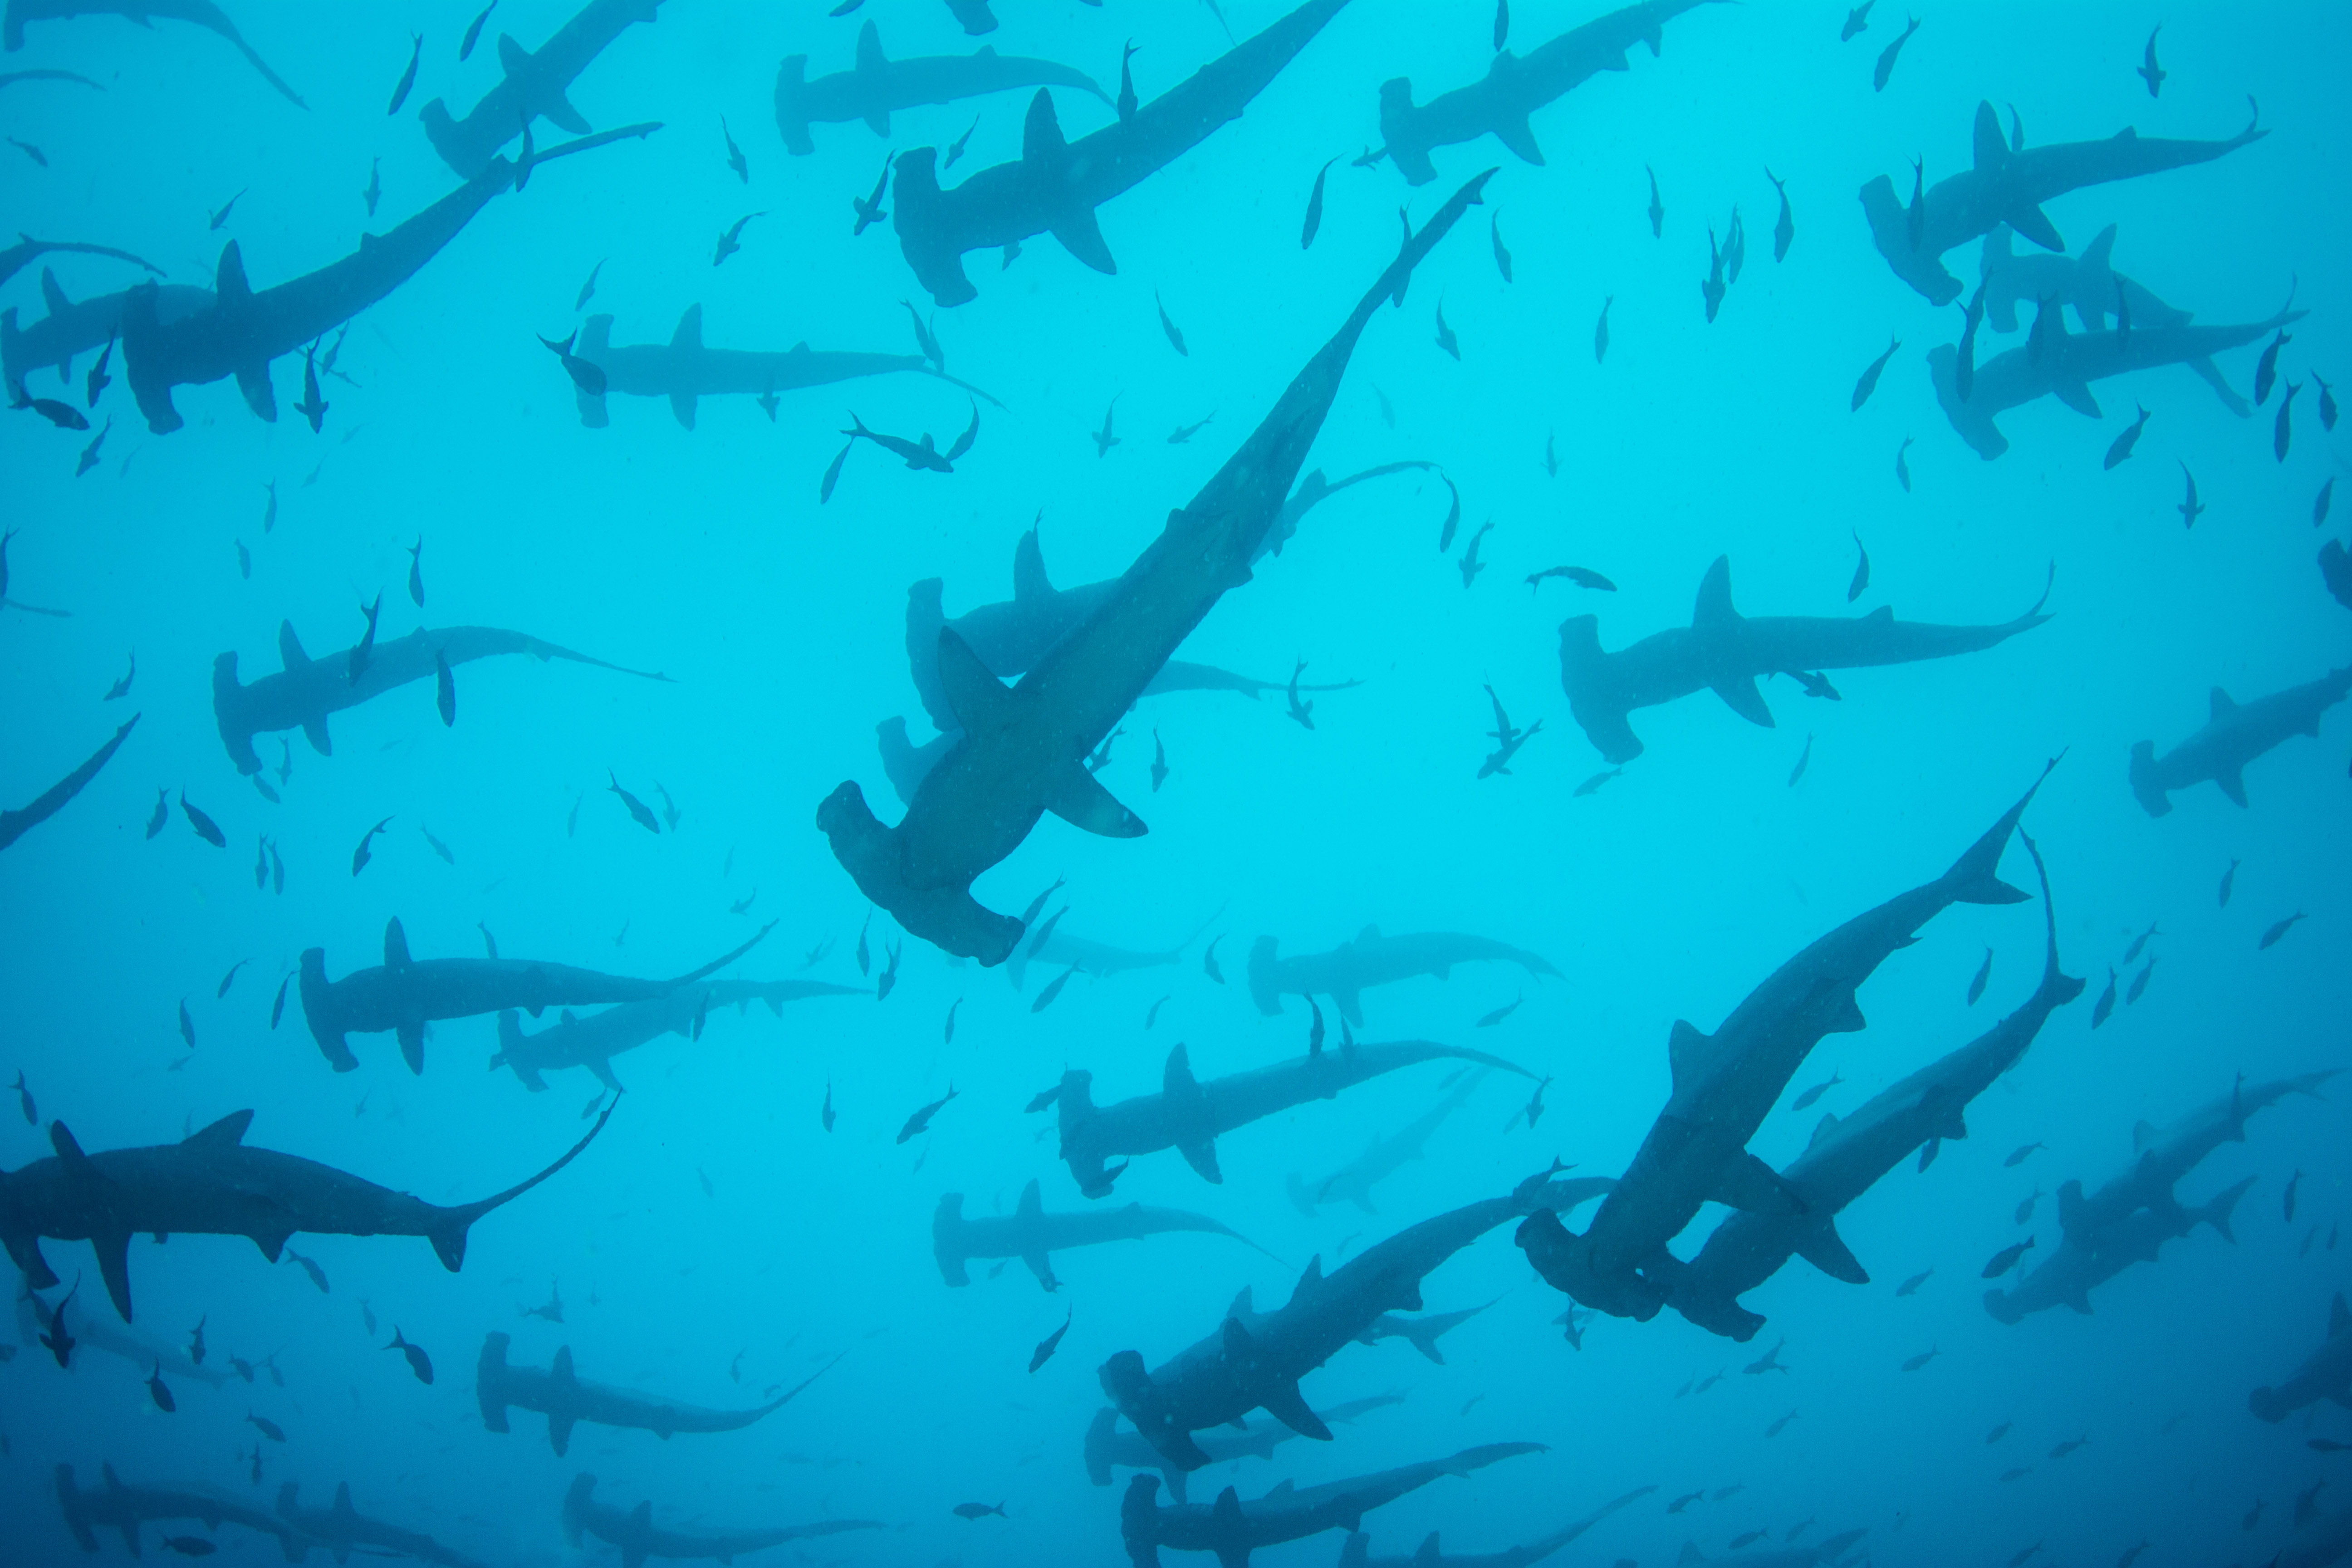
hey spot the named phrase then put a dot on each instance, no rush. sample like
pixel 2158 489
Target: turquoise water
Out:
pixel 718 1239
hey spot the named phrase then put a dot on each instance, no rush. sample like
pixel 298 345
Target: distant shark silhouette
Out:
pixel 533 87
pixel 1514 87
pixel 878 84
pixel 639 1538
pixel 243 329
pixel 1108 1444
pixel 1371 959
pixel 2235 735
pixel 2008 185
pixel 1057 184
pixel 77 327
pixel 591 1042
pixel 1726 652
pixel 94 1331
pixel 1024 749
pixel 16 258
pixel 307 690
pixel 119 1507
pixel 1357 1552
pixel 1033 1236
pixel 566 1399
pixel 342 1530
pixel 1383 1157
pixel 202 13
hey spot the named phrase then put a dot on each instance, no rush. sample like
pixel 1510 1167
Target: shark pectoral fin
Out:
pixel 1748 1183
pixel 558 108
pixel 412 1046
pixel 1848 1018
pixel 1740 695
pixel 1078 798
pixel 1826 1250
pixel 2033 224
pixel 980 700
pixel 1041 1264
pixel 633 1556
pixel 1029 580
pixel 602 1067
pixel 1288 1406
pixel 1352 1006
pixel 1202 1157
pixel 315 732
pixel 2233 785
pixel 2076 395
pixel 113 1250
pixel 558 1433
pixel 253 380
pixel 878 118
pixel 2211 374
pixel 1082 237
pixel 1520 137
pixel 272 1243
pixel 681 405
pixel 1991 147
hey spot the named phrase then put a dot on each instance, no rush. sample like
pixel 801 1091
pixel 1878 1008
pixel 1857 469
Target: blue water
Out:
pixel 716 1240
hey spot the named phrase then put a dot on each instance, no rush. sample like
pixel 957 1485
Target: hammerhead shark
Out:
pixel 533 87
pixel 1847 1156
pixel 1024 749
pixel 119 1507
pixel 212 1184
pixel 1727 652
pixel 1110 1445
pixel 1255 1361
pixel 879 84
pixel 1725 1083
pixel 1065 950
pixel 1357 1553
pixel 202 13
pixel 1353 1182
pixel 2008 183
pixel 566 1399
pixel 2062 364
pixel 16 821
pixel 342 1530
pixel 402 995
pixel 16 258
pixel 593 1041
pixel 243 329
pixel 1056 184
pixel 93 1332
pixel 2087 284
pixel 639 1538
pixel 307 690
pixel 1033 1236
pixel 2235 733
pixel 2326 1372
pixel 2128 1220
pixel 1187 1115
pixel 1514 87
pixel 77 327
pixel 1233 1528
pixel 1371 959
pixel 683 369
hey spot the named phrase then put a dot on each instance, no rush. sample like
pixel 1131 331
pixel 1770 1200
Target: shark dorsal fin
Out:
pixel 1714 605
pixel 1228 1509
pixel 1176 1079
pixel 395 944
pixel 560 1369
pixel 2099 255
pixel 641 1518
pixel 1427 1556
pixel 870 56
pixel 226 1133
pixel 2339 1316
pixel 1029 1207
pixel 1309 1278
pixel 2222 703
pixel 1369 933
pixel 229 283
pixel 1991 147
pixel 1684 1042
pixel 1822 1128
pixel 689 326
pixel 979 701
pixel 1241 1307
pixel 68 1150
pixel 567 1016
pixel 1040 132
pixel 290 647
pixel 1029 579
pixel 52 295
pixel 343 1498
pixel 1282 1488
pixel 2143 1134
pixel 513 56
pixel 1691 1553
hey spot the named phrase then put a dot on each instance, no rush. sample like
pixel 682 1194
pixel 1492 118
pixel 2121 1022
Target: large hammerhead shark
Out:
pixel 1024 748
pixel 567 1399
pixel 78 326
pixel 879 84
pixel 533 87
pixel 202 13
pixel 115 1505
pixel 638 1537
pixel 2234 734
pixel 1033 1236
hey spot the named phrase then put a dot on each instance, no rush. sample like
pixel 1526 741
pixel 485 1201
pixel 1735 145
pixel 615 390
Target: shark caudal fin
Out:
pixel 1583 675
pixel 2217 1213
pixel 1974 877
pixel 2146 787
pixel 491 1382
pixel 792 106
pixel 448 1228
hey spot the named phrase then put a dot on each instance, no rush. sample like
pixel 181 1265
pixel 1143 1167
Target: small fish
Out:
pixel 742 906
pixel 2105 1005
pixel 88 459
pixel 2139 984
pixel 1446 338
pixel 2292 1182
pixel 221 216
pixel 2024 1213
pixel 1685 1501
pixel 2068 1447
pixel 826 1115
pixel 2138 942
pixel 263 1424
pixel 1158 765
pixel 641 813
pixel 98 381
pixel 1804 761
pixel 1150 1016
pixel 731 240
pixel 360 855
pixel 269 512
pixel 2320 503
pixel 474 31
pixel 2229 877
pixel 26 148
pixel 122 689
pixel 2253 1515
pixel 1856 21
pixel 2327 402
pixel 2282 433
pixel 1314 208
pixel 887 980
pixel 1039 1357
pixel 1657 207
pixel 418 1361
pixel 244 562
pixel 1772 1431
pixel 2190 509
pixel 1867 383
pixel 1175 337
pixel 64 415
pixel 1126 101
pixel 587 290
pixel 1103 438
pixel 1208 960
pixel 1502 22
pixel 2266 368
pixel 955 148
pixel 1490 1019
pixel 1303 714
pixel 735 158
pixel 278 1006
pixel 1593 784
pixel 1806 1099
pixel 1052 989
pixel 33 1116
pixel 2271 937
pixel 276 871
pixel 2123 446
pixel 1581 576
pixel 2017 1472
pixel 189 1546
pixel 1551 450
pixel 978 1510
pixel 921 1120
pixel 865 952
pixel 59 1339
pixel 367 1317
pixel 2019 1560
pixel 364 650
pixel 407 78
pixel 1453 516
pixel 187 1026
pixel 1502 252
pixel 2004 1260
pixel 1785 230
pixel 2148 70
pixel 1911 1287
pixel 1903 465
pixel 2317 1445
pixel 230 979
pixel 1534 1111
pixel 2022 1153
pixel 670 813
pixel 310 1267
pixel 160 1393
pixel 588 376
pixel 1922 1359
pixel 1711 291
pixel 1886 61
pixel 1470 565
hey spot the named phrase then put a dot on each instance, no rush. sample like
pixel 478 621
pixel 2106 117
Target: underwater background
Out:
pixel 719 1238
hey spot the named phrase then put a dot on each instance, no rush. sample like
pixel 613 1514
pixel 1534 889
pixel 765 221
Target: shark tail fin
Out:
pixel 1975 877
pixel 2217 1213
pixel 448 1226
